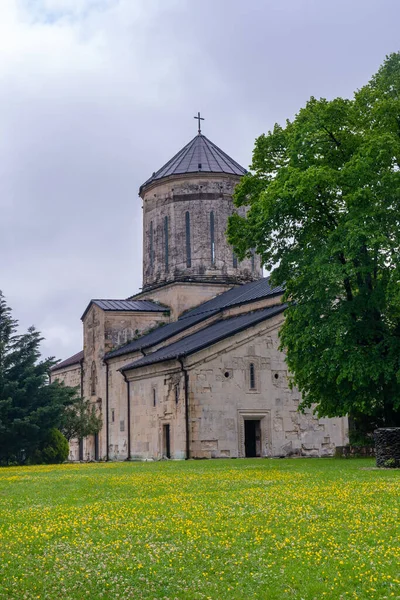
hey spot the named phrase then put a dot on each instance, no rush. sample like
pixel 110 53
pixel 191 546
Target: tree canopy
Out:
pixel 31 407
pixel 324 214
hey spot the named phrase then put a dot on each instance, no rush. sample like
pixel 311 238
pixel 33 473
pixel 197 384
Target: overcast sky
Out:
pixel 95 95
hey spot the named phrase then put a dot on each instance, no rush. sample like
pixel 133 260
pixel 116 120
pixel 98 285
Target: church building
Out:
pixel 190 367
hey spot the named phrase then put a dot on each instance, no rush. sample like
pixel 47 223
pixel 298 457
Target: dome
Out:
pixel 200 155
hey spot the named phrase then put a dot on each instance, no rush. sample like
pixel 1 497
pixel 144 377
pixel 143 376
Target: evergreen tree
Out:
pixel 324 214
pixel 30 407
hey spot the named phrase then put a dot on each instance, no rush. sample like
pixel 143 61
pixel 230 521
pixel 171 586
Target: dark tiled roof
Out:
pixel 206 337
pixel 249 292
pixel 68 362
pixel 158 335
pixel 200 155
pixel 127 305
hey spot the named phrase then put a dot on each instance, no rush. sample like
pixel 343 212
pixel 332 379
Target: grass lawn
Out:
pixel 268 529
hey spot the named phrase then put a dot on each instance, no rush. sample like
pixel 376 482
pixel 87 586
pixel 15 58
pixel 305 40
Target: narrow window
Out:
pixel 253 265
pixel 154 397
pixel 234 261
pixel 252 377
pixel 112 416
pixel 151 245
pixel 212 238
pixel 122 426
pixel 188 246
pixel 176 394
pixel 93 377
pixel 166 242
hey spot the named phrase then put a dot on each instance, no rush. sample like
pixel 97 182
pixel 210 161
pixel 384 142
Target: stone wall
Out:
pixel 199 195
pixel 180 297
pixel 221 400
pixel 70 376
pixel 102 331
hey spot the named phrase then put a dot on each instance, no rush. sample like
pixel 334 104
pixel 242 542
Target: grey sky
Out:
pixel 97 94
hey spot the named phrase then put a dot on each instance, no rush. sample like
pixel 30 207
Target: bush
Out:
pixel 54 450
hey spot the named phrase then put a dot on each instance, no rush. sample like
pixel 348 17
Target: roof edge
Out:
pixel 224 336
pixel 75 359
pixel 155 182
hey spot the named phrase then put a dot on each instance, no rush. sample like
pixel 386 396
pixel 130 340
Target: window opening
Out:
pixel 253 262
pixel 154 397
pixel 166 242
pixel 212 238
pixel 93 378
pixel 176 394
pixel 151 244
pixel 188 245
pixel 112 416
pixel 234 260
pixel 122 426
pixel 252 377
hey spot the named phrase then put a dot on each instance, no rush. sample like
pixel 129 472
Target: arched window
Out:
pixel 252 376
pixel 188 245
pixel 93 377
pixel 212 238
pixel 151 245
pixel 166 242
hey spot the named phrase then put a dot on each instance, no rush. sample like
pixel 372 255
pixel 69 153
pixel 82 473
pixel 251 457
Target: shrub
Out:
pixel 54 450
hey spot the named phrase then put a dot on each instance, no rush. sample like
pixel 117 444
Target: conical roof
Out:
pixel 200 155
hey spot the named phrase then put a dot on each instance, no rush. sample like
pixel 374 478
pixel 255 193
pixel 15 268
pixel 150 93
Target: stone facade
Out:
pixel 221 401
pixel 180 296
pixel 184 224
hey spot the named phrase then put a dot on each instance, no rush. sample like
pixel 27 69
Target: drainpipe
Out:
pixel 186 380
pixel 128 393
pixel 80 448
pixel 107 419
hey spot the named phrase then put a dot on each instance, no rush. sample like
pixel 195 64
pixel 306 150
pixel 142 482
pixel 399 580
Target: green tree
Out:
pixel 30 407
pixel 54 449
pixel 324 214
pixel 81 420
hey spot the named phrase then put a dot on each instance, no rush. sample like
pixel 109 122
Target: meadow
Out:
pixel 238 529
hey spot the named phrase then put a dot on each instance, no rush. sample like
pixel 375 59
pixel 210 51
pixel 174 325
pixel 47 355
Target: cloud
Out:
pixel 96 95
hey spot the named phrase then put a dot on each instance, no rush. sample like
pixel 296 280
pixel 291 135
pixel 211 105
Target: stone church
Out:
pixel 190 367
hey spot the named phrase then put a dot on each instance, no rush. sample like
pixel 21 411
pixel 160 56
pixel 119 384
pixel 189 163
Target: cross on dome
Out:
pixel 199 118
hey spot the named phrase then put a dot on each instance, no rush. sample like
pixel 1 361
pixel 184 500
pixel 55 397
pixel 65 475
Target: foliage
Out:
pixel 53 450
pixel 226 530
pixel 30 407
pixel 81 420
pixel 324 214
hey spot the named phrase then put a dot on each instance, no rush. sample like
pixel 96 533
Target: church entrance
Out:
pixel 166 441
pixel 252 438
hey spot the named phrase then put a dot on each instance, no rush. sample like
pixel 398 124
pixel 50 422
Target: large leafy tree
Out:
pixel 30 407
pixel 324 214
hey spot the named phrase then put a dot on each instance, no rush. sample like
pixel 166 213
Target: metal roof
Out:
pixel 200 155
pixel 249 292
pixel 127 305
pixel 206 337
pixel 163 332
pixel 68 362
pixel 242 294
